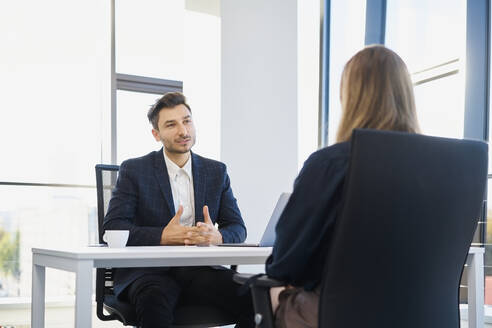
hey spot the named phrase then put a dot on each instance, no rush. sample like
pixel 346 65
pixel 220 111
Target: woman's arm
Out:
pixel 304 230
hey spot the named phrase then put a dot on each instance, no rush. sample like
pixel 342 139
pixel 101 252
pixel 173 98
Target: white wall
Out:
pixel 308 52
pixel 259 126
pixel 201 83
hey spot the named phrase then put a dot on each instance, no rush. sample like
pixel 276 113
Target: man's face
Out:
pixel 176 130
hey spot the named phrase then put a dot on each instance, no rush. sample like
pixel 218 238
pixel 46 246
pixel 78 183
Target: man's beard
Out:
pixel 177 150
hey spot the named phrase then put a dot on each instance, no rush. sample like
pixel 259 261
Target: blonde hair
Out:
pixel 376 93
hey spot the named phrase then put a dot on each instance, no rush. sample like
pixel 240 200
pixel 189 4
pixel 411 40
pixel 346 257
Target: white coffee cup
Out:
pixel 116 238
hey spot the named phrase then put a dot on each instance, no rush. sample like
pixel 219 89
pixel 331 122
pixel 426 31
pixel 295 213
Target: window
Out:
pixel 346 38
pixel 173 41
pixel 430 36
pixel 42 217
pixel 149 38
pixel 56 85
pixel 134 131
pixel 56 120
pixel 488 248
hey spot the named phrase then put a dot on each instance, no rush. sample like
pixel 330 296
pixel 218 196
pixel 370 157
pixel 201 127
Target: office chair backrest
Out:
pixel 106 176
pixel 105 181
pixel 411 206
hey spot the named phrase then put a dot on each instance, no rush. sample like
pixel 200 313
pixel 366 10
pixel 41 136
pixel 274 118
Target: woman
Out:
pixel 376 93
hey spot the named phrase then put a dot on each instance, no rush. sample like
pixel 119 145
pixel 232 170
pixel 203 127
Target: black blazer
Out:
pixel 142 203
pixel 305 228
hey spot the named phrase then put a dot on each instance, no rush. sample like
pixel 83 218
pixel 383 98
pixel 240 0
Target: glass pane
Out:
pixel 149 38
pixel 488 249
pixel 55 84
pixel 426 33
pixel 440 106
pixel 430 36
pixel 134 132
pixel 42 217
pixel 490 116
pixel 488 266
pixel 347 32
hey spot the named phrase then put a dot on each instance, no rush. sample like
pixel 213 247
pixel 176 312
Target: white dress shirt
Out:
pixel 181 180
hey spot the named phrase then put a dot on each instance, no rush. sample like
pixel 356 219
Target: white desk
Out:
pixel 83 260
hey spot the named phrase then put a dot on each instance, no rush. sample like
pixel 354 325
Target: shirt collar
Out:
pixel 173 169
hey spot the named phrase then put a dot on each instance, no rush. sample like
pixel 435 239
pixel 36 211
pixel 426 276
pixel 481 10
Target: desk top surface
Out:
pixel 152 252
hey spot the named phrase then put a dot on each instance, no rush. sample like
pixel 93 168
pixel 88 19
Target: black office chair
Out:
pixel 411 206
pixel 185 316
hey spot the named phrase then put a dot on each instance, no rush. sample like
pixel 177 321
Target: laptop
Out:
pixel 268 237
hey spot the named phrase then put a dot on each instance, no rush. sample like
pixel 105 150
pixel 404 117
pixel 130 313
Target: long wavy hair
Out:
pixel 376 93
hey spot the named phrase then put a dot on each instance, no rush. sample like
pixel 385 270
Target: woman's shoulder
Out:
pixel 337 152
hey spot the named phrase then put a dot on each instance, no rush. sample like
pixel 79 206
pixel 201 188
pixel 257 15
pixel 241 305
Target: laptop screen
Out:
pixel 268 238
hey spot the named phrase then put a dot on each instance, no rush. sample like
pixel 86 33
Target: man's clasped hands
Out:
pixel 204 233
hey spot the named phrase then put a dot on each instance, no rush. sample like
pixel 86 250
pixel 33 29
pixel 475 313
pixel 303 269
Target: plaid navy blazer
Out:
pixel 142 203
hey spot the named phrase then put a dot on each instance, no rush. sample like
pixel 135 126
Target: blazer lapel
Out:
pixel 199 185
pixel 163 180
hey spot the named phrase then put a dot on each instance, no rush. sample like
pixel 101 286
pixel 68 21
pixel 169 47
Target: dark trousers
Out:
pixel 156 296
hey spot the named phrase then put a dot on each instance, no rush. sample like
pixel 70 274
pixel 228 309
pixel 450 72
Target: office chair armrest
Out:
pixel 262 281
pixel 260 285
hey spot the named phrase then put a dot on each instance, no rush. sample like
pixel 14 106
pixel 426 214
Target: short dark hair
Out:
pixel 169 100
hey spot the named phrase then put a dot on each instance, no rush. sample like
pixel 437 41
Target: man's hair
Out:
pixel 169 100
pixel 376 93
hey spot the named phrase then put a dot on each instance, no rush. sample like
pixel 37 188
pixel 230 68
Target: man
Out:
pixel 174 197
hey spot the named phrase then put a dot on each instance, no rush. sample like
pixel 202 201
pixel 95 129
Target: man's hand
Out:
pixel 209 235
pixel 176 234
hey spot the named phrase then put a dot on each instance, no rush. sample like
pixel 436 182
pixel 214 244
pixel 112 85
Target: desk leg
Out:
pixel 475 291
pixel 38 291
pixel 83 294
